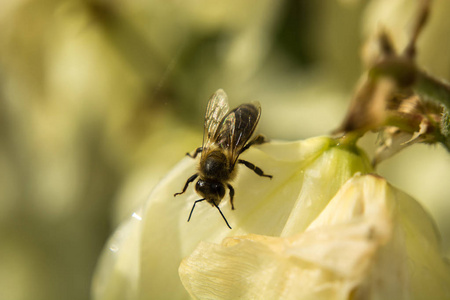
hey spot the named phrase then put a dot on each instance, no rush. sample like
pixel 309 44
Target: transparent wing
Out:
pixel 237 128
pixel 225 133
pixel 215 112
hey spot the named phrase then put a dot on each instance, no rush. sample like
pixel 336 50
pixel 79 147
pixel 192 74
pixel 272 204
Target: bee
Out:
pixel 226 136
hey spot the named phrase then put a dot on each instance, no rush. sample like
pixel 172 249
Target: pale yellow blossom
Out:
pixel 319 228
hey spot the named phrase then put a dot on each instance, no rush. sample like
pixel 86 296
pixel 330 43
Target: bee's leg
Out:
pixel 258 140
pixel 192 178
pixel 197 151
pixel 231 195
pixel 254 168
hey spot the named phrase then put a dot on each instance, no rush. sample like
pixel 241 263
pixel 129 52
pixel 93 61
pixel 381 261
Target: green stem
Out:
pixel 430 87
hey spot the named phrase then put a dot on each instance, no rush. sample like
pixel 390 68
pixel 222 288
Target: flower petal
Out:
pixel 306 175
pixel 372 241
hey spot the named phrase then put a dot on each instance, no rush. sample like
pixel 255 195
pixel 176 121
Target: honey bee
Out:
pixel 225 137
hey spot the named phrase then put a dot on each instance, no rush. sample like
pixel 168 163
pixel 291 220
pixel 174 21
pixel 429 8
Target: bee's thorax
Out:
pixel 215 166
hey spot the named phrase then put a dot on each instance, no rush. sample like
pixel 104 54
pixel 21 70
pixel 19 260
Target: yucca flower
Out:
pixel 320 228
pixel 371 241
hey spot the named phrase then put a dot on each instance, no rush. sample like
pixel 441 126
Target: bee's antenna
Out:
pixel 200 200
pixel 193 206
pixel 221 214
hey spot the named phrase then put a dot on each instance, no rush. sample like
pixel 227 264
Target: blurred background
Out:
pixel 99 99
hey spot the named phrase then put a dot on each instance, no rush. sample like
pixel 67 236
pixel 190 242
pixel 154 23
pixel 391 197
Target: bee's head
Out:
pixel 211 190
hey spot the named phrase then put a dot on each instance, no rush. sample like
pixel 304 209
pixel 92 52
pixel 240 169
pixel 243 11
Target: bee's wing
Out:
pixel 215 112
pixel 237 128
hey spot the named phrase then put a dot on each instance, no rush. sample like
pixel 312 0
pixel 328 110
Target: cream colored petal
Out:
pixel 306 175
pixel 371 242
pixel 117 272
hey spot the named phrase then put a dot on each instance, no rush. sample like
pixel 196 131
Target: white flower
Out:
pixel 285 224
pixel 372 241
